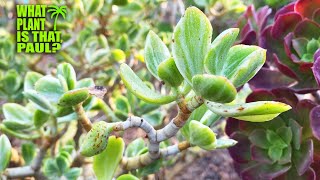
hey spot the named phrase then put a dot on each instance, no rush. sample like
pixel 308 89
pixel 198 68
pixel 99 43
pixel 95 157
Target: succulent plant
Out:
pixel 292 41
pixel 283 148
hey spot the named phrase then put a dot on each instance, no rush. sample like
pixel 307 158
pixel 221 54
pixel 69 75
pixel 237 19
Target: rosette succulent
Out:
pixel 284 148
pixel 293 39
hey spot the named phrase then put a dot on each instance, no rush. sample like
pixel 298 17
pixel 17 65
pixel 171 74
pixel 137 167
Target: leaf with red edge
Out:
pixel 296 133
pixel 286 9
pixel 260 95
pixel 241 151
pixel 285 23
pixel 286 155
pixel 287 94
pixel 269 79
pixel 300 45
pixel 303 158
pixel 303 113
pixel 315 121
pixel 284 68
pixel 306 7
pixel 316 67
pixel 292 174
pixel 260 155
pixel 264 171
pixel 316 16
pixel 307 29
pixel 232 126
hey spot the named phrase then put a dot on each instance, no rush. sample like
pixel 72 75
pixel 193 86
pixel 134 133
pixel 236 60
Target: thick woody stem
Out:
pixel 145 159
pixel 82 117
pixel 33 169
pixel 157 136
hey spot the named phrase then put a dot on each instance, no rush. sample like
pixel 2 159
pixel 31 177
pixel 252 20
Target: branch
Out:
pixel 145 159
pixel 33 169
pixel 157 136
pixel 82 117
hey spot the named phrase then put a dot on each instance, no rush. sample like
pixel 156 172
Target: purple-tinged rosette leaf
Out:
pixel 259 138
pixel 192 37
pixel 264 171
pixel 269 79
pixel 315 121
pixel 260 155
pixel 306 8
pixel 316 67
pixel 303 158
pixel 241 151
pixel 284 24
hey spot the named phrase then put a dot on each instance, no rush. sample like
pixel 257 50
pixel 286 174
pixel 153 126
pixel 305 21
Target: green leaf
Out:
pixel 118 55
pixel 259 111
pixel 63 163
pixel 106 163
pixel 86 82
pixel 127 177
pixel 169 73
pixel 140 89
pixel 215 61
pixel 30 79
pixel 73 173
pixel 49 87
pixel 41 102
pixel 94 6
pixel 28 151
pixel 214 88
pixel 122 104
pixel 39 118
pixel 201 135
pixel 155 52
pixel 11 81
pixel 16 116
pixel 242 63
pixel 66 70
pixel 74 97
pixel 51 169
pixel 134 147
pixel 96 139
pixel 259 138
pixel 155 118
pixel 192 38
pixel 286 134
pixel 275 153
pixel 223 143
pixel 275 139
pixel 5 152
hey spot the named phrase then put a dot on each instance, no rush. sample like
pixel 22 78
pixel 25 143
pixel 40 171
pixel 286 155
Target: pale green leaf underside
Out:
pixel 192 38
pixel 155 52
pixel 30 79
pixel 215 60
pixel 5 152
pixel 140 89
pixel 106 163
pixel 259 111
pixel 49 87
pixel 240 63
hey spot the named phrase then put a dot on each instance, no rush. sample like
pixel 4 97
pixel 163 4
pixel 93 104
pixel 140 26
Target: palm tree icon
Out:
pixel 56 11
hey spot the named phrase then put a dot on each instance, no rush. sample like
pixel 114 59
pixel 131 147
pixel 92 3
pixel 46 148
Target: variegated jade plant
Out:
pixel 201 78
